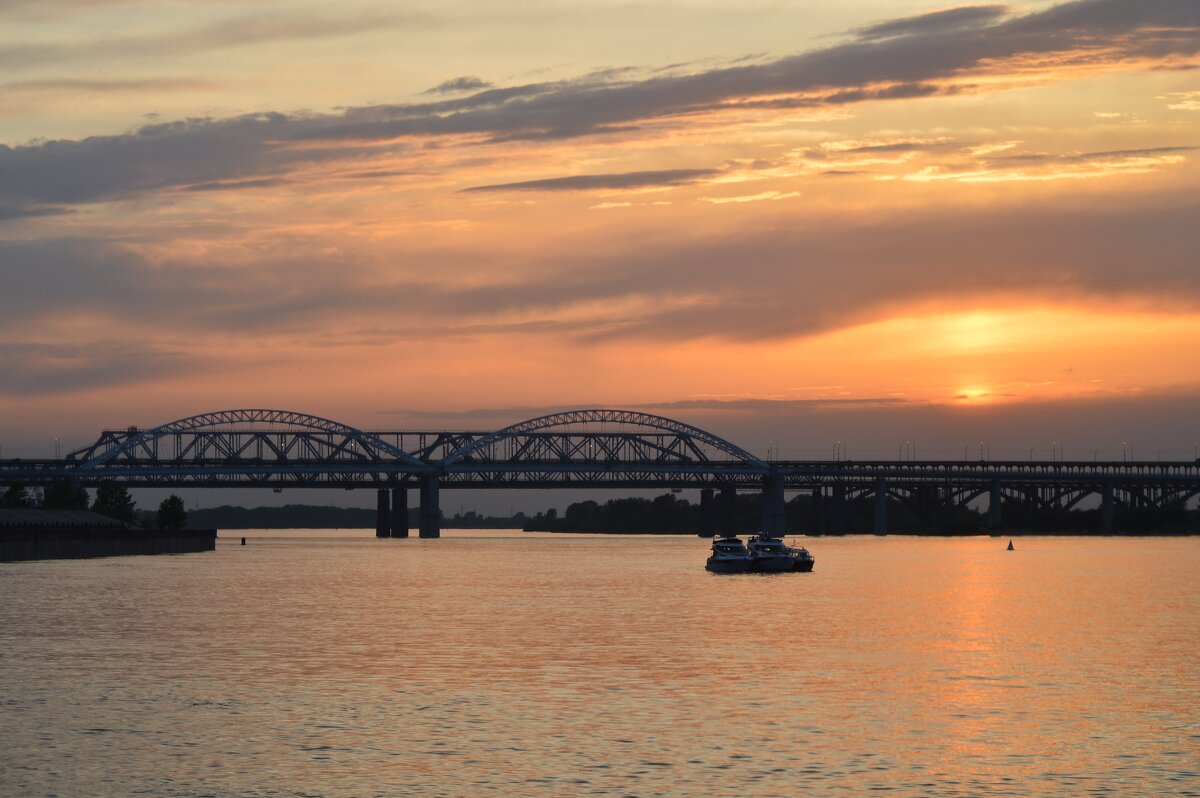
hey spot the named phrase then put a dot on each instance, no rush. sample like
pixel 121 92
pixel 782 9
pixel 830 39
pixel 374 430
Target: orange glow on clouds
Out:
pixel 588 223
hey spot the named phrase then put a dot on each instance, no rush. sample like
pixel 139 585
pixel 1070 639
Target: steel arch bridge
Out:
pixel 276 448
pixel 588 448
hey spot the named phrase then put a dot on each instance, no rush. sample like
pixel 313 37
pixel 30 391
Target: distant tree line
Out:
pixel 112 500
pixel 307 516
pixel 666 514
pixel 669 514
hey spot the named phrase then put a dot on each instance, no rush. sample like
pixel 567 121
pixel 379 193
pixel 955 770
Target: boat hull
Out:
pixel 804 566
pixel 774 565
pixel 724 566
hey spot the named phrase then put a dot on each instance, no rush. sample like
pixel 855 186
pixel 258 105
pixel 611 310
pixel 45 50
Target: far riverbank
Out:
pixel 671 515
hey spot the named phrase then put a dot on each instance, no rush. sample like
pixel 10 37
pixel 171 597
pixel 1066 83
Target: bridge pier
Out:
pixel 1107 509
pixel 383 526
pixel 881 522
pixel 727 510
pixel 708 526
pixel 430 511
pixel 839 508
pixel 995 500
pixel 816 525
pixel 772 504
pixel 399 512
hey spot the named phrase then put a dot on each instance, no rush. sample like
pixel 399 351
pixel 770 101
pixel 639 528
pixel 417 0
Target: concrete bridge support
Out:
pixel 708 515
pixel 383 526
pixel 839 522
pixel 881 522
pixel 430 511
pixel 772 504
pixel 727 510
pixel 995 502
pixel 1107 509
pixel 399 512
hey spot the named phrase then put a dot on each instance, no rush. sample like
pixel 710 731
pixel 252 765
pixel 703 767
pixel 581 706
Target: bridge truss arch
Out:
pixel 224 441
pixel 603 438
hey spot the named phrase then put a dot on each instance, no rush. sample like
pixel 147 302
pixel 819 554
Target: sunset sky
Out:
pixel 784 220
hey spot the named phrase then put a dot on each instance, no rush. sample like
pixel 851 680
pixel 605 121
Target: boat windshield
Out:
pixel 771 545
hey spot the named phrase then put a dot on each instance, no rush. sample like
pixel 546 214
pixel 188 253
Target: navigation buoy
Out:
pixel 1010 545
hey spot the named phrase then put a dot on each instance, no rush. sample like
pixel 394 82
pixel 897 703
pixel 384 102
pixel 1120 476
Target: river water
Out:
pixel 512 664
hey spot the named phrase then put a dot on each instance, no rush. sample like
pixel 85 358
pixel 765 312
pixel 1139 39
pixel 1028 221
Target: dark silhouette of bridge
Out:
pixel 577 449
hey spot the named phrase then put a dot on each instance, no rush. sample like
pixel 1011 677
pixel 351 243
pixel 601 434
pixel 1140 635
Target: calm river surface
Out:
pixel 511 664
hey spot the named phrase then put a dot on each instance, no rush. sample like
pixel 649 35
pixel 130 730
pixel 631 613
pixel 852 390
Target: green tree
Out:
pixel 65 494
pixel 15 496
pixel 171 513
pixel 114 501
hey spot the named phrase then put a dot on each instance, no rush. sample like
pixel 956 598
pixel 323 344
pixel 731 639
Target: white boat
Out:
pixel 772 555
pixel 729 556
pixel 802 560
